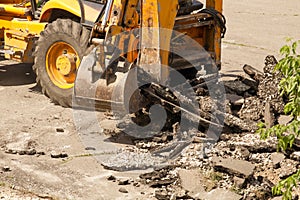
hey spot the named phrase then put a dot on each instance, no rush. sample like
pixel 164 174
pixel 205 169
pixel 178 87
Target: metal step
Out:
pixel 6 51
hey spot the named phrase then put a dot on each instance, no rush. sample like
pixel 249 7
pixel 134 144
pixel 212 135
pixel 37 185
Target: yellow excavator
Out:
pixel 139 45
pixel 53 35
pixel 115 35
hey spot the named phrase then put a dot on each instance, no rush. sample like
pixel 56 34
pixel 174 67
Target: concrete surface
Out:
pixel 255 29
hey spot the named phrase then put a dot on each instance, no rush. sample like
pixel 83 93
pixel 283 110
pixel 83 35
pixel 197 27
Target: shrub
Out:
pixel 289 67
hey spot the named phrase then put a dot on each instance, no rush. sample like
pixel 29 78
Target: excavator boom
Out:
pixel 133 36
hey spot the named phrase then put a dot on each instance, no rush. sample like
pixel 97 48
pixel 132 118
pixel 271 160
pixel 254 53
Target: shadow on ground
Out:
pixel 16 74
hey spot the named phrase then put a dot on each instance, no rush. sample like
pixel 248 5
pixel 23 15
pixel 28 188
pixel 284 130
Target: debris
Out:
pixel 41 153
pixel 225 136
pixel 192 180
pixel 163 182
pixel 123 190
pixel 270 63
pixel 159 178
pixel 237 86
pixel 199 139
pixel 262 147
pixel 245 153
pixel 233 121
pixel 27 96
pixel 238 182
pixel 128 160
pixel 56 117
pixel 111 178
pixel 22 152
pixel 195 175
pixel 161 194
pixel 90 148
pixel 250 82
pixel 295 155
pixel 136 184
pixel 297 143
pixel 123 182
pixel 11 151
pixel 276 158
pixel 55 154
pixel 252 109
pixel 219 194
pixel 239 168
pixel 253 73
pixel 235 99
pixel 6 169
pixel 287 168
pixel 181 194
pixel 269 115
pixel 30 152
pixel 284 119
pixel 268 88
pixel 60 130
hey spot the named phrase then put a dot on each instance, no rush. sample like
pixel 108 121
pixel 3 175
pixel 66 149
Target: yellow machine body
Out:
pixel 150 50
pixel 19 30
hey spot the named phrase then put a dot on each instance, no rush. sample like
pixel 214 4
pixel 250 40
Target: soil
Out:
pixel 34 131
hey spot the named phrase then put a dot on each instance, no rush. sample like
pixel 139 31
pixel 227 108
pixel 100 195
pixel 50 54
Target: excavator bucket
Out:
pixel 97 94
pixel 100 83
pixel 97 91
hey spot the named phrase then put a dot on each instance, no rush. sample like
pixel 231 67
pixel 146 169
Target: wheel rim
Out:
pixel 62 61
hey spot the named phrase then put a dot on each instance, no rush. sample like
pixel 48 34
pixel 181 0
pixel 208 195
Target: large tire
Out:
pixel 59 51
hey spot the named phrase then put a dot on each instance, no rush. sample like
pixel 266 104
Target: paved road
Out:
pixel 256 29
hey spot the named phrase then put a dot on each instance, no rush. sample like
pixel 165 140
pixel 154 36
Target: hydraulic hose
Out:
pixel 108 6
pixel 82 12
pixel 33 7
pixel 219 18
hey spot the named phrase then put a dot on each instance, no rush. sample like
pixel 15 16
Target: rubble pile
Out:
pixel 240 165
pixel 267 104
pixel 261 99
pixel 193 163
